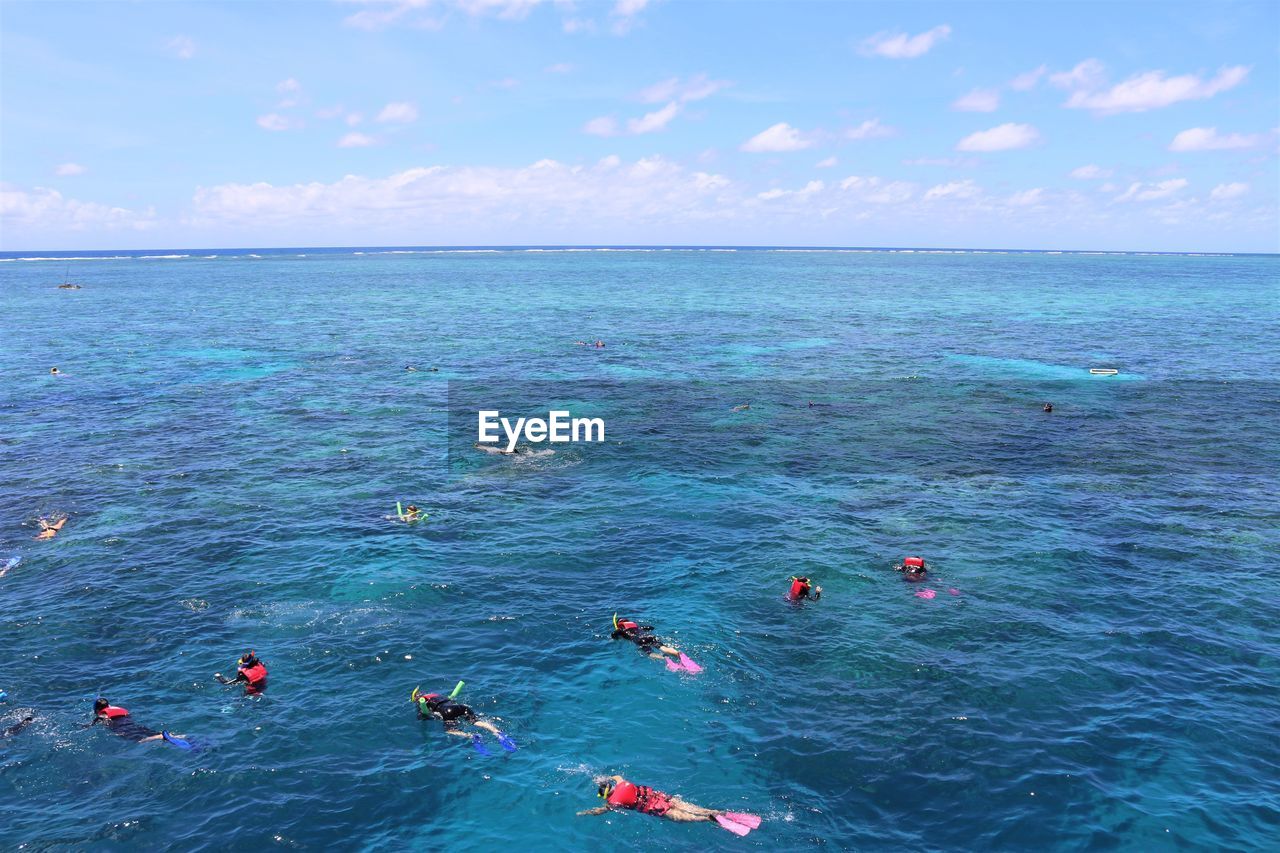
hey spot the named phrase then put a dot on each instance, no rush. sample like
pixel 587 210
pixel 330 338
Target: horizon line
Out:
pixel 499 247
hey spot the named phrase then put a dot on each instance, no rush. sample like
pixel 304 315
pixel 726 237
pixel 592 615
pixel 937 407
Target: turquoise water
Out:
pixel 229 433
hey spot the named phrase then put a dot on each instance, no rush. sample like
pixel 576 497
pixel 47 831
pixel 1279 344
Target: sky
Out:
pixel 1147 126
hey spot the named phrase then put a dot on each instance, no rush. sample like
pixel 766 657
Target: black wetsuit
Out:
pixel 644 641
pixel 450 711
pixel 126 728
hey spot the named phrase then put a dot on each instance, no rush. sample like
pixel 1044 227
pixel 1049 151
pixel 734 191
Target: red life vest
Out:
pixel 255 673
pixel 111 712
pixel 913 562
pixel 624 794
pixel 799 588
pixel 628 625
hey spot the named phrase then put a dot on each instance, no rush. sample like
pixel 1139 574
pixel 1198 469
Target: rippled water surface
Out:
pixel 230 432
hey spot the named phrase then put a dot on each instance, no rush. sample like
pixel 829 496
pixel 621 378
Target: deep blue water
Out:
pixel 229 433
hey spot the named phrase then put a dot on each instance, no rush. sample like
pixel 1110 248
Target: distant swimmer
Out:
pixel 913 569
pixel 521 450
pixel 118 722
pixel 14 728
pixel 494 448
pixel 454 715
pixel 411 514
pixel 250 671
pixel 580 343
pixel 4 570
pixel 650 646
pixel 411 368
pixel 742 408
pixel 598 345
pixel 802 588
pixel 53 371
pixel 1048 407
pixel 49 529
pixel 618 793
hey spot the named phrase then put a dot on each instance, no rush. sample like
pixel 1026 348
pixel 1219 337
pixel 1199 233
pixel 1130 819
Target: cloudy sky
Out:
pixel 1087 125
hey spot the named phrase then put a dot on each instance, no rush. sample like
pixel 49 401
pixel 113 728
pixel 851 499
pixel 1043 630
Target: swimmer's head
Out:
pixel 100 704
pixel 53 370
pixel 249 658
pixel 412 508
pixel 604 789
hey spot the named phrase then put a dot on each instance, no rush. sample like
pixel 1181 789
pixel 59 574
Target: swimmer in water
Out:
pixel 49 529
pixel 53 371
pixel 642 636
pixel 1048 407
pixel 618 793
pixel 598 345
pixel 580 343
pixel 802 588
pixel 411 514
pixel 411 368
pixel 118 721
pixel 742 408
pixel 17 727
pixel 250 671
pixel 913 569
pixel 454 715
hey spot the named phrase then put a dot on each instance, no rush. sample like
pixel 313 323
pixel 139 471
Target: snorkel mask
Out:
pixel 605 789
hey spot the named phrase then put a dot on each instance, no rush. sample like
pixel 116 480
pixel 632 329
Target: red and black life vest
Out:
pixel 254 674
pixel 111 712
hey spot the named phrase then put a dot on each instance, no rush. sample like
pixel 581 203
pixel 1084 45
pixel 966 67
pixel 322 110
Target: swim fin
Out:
pixel 749 820
pixel 672 665
pixel 688 664
pixel 177 741
pixel 507 743
pixel 732 825
pixel 478 743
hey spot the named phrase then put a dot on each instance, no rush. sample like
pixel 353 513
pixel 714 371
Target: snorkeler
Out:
pixel 598 344
pixel 1048 407
pixel 651 646
pixel 618 793
pixel 913 569
pixel 49 529
pixel 411 513
pixel 15 728
pixel 53 371
pixel 251 671
pixel 802 588
pixel 118 721
pixel 434 706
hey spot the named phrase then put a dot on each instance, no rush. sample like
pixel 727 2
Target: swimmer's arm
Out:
pixel 595 811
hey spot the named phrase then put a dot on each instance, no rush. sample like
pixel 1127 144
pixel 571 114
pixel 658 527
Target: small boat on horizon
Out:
pixel 1103 371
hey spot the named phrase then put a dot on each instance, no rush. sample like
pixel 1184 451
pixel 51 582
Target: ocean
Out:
pixel 229 430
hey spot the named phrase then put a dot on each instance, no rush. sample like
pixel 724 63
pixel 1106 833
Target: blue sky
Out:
pixel 1147 126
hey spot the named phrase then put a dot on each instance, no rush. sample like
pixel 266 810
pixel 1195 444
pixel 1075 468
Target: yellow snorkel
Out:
pixel 615 621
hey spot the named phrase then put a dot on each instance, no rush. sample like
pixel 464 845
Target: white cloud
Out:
pixel 1222 192
pixel 1090 172
pixel 544 194
pixel 1026 198
pixel 694 89
pixel 507 83
pixel 978 101
pixel 1004 137
pixel 902 46
pixel 44 210
pixel 957 162
pixel 869 129
pixel 1088 74
pixel 827 163
pixel 356 140
pixel 183 47
pixel 1152 90
pixel 654 121
pixel 354 119
pixel 624 14
pixel 1028 80
pixel 602 126
pixel 559 68
pixel 67 170
pixel 275 121
pixel 380 14
pixel 1150 192
pixel 398 112
pixel 878 190
pixel 809 189
pixel 1208 139
pixel 779 137
pixel 290 90
pixel 330 112
pixel 955 189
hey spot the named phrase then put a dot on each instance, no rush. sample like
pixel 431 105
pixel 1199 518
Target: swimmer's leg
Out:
pixel 689 811
pixel 487 726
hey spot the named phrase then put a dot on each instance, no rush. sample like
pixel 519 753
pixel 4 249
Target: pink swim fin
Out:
pixel 749 820
pixel 672 665
pixel 688 664
pixel 733 826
